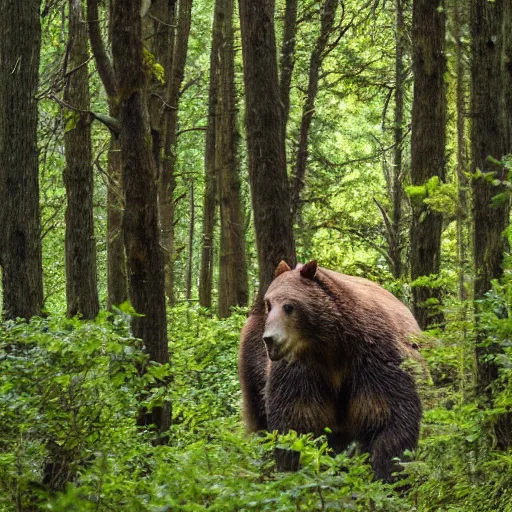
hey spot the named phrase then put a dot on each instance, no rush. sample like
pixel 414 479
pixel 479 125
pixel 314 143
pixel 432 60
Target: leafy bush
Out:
pixel 70 393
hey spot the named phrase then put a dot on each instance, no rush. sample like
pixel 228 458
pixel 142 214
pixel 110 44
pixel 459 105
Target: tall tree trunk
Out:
pixel 233 284
pixel 20 244
pixel 462 162
pixel 117 279
pixel 288 56
pixel 428 141
pixel 188 277
pixel 308 110
pixel 81 280
pixel 395 246
pixel 507 72
pixel 265 140
pixel 140 223
pixel 210 190
pixel 488 145
pixel 167 180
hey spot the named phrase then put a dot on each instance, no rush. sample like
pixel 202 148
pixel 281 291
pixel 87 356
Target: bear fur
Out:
pixel 330 350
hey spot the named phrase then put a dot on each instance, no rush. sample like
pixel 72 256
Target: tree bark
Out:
pixel 462 161
pixel 489 143
pixel 192 221
pixel 81 279
pixel 20 244
pixel 140 222
pixel 265 140
pixel 233 285
pixel 288 56
pixel 210 191
pixel 428 141
pixel 308 110
pixel 117 279
pixel 395 241
pixel 167 180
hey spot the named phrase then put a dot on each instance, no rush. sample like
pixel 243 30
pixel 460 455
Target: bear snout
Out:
pixel 273 348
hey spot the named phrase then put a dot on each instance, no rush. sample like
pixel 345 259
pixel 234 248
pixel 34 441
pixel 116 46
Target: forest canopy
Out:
pixel 159 158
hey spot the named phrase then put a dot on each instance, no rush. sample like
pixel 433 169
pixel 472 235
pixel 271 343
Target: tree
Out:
pixel 20 244
pixel 428 141
pixel 288 55
pixel 140 222
pixel 167 179
pixel 459 18
pixel 265 140
pixel 233 285
pixel 489 143
pixel 320 51
pixel 117 279
pixel 395 242
pixel 210 190
pixel 81 282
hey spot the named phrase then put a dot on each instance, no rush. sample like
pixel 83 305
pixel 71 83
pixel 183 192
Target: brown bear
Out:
pixel 328 350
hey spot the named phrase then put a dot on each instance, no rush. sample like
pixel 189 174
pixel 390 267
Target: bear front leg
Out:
pixel 296 398
pixel 388 444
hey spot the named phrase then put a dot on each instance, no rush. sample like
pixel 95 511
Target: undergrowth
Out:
pixel 70 392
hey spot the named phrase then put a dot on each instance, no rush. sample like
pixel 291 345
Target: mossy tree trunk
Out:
pixel 140 223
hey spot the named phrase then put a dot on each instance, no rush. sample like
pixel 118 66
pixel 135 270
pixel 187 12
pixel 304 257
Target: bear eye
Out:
pixel 268 306
pixel 287 308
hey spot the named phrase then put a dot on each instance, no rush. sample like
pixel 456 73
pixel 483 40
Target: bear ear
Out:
pixel 308 270
pixel 281 268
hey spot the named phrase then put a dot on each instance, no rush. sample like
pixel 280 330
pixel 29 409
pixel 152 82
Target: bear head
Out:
pixel 292 308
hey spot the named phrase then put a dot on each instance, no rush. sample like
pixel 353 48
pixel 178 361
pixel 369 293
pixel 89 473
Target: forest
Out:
pixel 158 160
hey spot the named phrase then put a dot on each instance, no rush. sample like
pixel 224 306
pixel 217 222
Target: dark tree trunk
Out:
pixel 488 145
pixel 428 141
pixel 395 241
pixel 117 279
pixel 167 180
pixel 20 244
pixel 288 56
pixel 233 285
pixel 210 192
pixel 140 222
pixel 308 110
pixel 81 280
pixel 265 140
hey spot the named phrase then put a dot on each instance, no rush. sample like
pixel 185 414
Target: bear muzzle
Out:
pixel 274 348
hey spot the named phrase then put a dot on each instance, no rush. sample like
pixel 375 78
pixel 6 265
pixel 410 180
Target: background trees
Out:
pixel 374 137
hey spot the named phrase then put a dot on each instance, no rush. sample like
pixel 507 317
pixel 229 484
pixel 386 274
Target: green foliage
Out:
pixel 438 196
pixel 69 398
pixel 154 69
pixel 69 401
